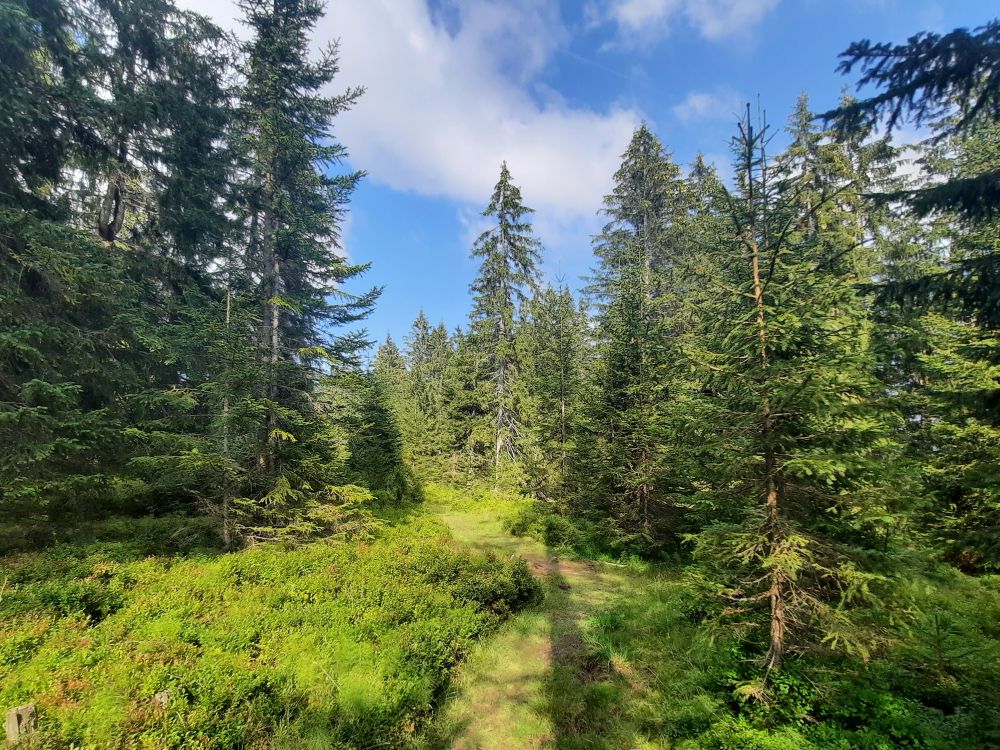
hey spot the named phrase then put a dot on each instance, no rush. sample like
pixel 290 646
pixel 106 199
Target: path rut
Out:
pixel 523 687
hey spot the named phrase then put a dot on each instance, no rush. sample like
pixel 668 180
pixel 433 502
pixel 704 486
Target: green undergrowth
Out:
pixel 504 507
pixel 670 680
pixel 355 644
pixel 523 516
pixel 661 670
pixel 345 645
pixel 572 537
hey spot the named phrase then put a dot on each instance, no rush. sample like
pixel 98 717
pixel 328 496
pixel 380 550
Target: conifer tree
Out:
pixel 923 80
pixel 37 71
pixel 624 457
pixel 418 342
pixel 509 256
pixel 390 371
pixel 939 356
pixel 292 208
pixel 949 82
pixel 135 93
pixel 169 272
pixel 784 350
pixel 429 435
pixel 376 443
pixel 465 410
pixel 553 347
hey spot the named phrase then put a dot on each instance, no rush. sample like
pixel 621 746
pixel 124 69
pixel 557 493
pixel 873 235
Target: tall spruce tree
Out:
pixel 925 80
pixel 429 437
pixel 943 291
pixel 554 354
pixel 377 440
pixel 509 255
pixel 292 206
pixel 625 460
pixel 115 82
pixel 940 361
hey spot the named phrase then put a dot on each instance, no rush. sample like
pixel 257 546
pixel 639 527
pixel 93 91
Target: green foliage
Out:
pixel 556 531
pixel 624 471
pixel 58 418
pixel 341 644
pixel 553 352
pixel 372 420
pixel 790 382
pixel 803 445
pixel 683 681
pixel 922 80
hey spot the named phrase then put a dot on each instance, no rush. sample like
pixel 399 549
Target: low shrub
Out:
pixel 541 521
pixel 324 645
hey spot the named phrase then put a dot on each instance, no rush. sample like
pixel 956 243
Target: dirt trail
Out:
pixel 519 688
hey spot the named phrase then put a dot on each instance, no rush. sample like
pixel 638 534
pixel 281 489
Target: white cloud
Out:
pixel 451 96
pixel 909 166
pixel 721 104
pixel 643 21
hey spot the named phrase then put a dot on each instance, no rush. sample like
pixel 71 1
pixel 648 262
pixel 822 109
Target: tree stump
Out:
pixel 20 721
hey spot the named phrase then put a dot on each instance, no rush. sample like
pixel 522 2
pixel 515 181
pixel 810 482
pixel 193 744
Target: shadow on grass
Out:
pixel 584 696
pixel 538 682
pixel 120 538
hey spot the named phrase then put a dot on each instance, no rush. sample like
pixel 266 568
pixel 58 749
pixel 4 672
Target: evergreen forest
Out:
pixel 737 489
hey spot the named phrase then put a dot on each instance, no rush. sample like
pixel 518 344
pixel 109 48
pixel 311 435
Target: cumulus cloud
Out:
pixel 723 103
pixel 647 20
pixel 452 93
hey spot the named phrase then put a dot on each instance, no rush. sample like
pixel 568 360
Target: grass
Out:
pixel 537 683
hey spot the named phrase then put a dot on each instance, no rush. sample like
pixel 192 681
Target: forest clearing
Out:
pixel 675 423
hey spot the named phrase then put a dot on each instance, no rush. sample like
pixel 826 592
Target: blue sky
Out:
pixel 555 88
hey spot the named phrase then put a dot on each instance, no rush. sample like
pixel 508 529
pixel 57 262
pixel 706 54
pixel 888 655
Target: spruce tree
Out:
pixel 429 437
pixel 465 411
pixel 795 505
pixel 554 352
pixel 624 456
pixel 292 203
pixel 37 71
pixel 377 441
pixel 939 359
pixel 950 82
pixel 509 255
pixel 145 112
pixel 923 80
pixel 397 382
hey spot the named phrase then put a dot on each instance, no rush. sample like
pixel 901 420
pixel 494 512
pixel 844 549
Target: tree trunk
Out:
pixel 226 527
pixel 271 266
pixel 777 590
pixel 275 342
pixel 776 650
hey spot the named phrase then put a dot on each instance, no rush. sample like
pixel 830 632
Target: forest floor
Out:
pixel 618 657
pixel 538 683
pixel 416 639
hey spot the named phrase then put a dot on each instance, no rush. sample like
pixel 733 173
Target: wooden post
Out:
pixel 20 721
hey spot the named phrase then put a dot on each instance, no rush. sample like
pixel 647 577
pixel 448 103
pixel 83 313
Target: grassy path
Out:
pixel 533 685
